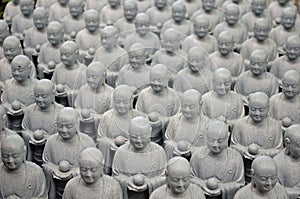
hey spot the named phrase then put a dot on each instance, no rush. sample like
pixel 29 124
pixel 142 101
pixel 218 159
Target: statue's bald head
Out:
pixel 55 26
pixel 45 85
pixel 178 165
pixel 140 123
pixel 142 18
pixel 291 75
pixel 70 45
pixel 259 54
pixel 226 36
pixel 201 20
pixel 264 167
pixel 222 74
pixel 258 97
pixel 68 112
pixel 109 31
pixel 294 41
pixel 218 128
pixel 12 41
pixel 137 47
pixel 123 90
pixel 196 52
pixel 91 154
pixel 159 69
pixel 170 34
pixel 178 5
pixel 232 8
pixel 97 67
pixel 13 141
pixel 21 60
pixel 40 11
pixel 262 23
pixel 192 95
pixel 130 3
pixel 289 11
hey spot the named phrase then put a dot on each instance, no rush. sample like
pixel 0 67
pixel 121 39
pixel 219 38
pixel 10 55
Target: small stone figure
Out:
pixel 222 103
pixel 285 106
pixel 281 33
pixel 49 55
pixel 225 57
pixel 110 13
pixel 58 10
pixel 65 145
pixel 136 73
pixel 178 21
pixel 19 178
pixel 159 13
pixel 114 124
pixel 126 24
pixel 139 165
pixel 36 36
pixel 111 54
pixel 288 162
pixel 232 25
pixel 11 10
pixel 264 181
pixel 74 21
pixel 189 126
pixel 291 59
pixel 95 4
pixel 23 21
pixel 70 72
pixel 96 94
pixel 178 183
pixel 20 87
pixel 257 129
pixel 217 168
pixel 4 32
pixel 89 38
pixel 210 11
pixel 201 36
pixel 275 10
pixel 143 35
pixel 197 75
pixel 258 11
pixel 257 79
pixel 92 183
pixel 158 101
pixel 260 40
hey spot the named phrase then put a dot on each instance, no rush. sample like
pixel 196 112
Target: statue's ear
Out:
pixel 287 141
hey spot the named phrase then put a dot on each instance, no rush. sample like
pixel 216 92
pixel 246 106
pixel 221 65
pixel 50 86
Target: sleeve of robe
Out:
pixel 40 183
pixel 236 138
pixel 169 135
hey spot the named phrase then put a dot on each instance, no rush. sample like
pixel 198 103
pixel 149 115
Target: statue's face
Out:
pixel 139 137
pixel 142 26
pixel 137 58
pixel 225 45
pixel 40 21
pixel 178 13
pixel 68 55
pixel 190 107
pixel 20 71
pixel 108 40
pixel 290 87
pixel 130 11
pixel 122 102
pixel 66 126
pixel 76 8
pixel 90 170
pixel 195 62
pixel 13 156
pixel 27 7
pixel 292 50
pixel 258 65
pixel 264 179
pixel 201 29
pixel 92 23
pixel 222 85
pixel 178 181
pixel 217 141
pixel 94 78
pixel 170 43
pixel 258 6
pixel 158 80
pixel 55 35
pixel 208 5
pixel 160 3
pixel 261 32
pixel 231 16
pixel 11 50
pixel 43 96
pixel 288 20
pixel 258 110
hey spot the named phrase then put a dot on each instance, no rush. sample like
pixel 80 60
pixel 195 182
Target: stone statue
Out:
pixel 58 10
pixel 291 59
pixel 110 13
pixel 70 72
pixel 201 36
pixel 49 55
pixel 114 124
pixel 23 21
pixel 285 106
pixel 111 54
pixel 257 79
pixel 178 183
pixel 65 145
pixel 139 165
pixel 92 183
pixel 89 38
pixel 19 178
pixel 11 10
pixel 74 21
pixel 264 181
pixel 143 35
pixel 225 57
pixel 232 25
pixel 258 133
pixel 260 40
pixel 221 103
pixel 4 33
pixel 159 13
pixel 275 9
pixel 126 24
pixel 136 73
pixel 217 168
pixel 288 162
pixel 178 21
pixel 36 36
pixel 197 75
pixel 189 127
pixel 159 101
